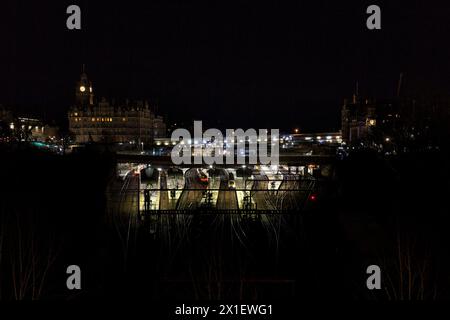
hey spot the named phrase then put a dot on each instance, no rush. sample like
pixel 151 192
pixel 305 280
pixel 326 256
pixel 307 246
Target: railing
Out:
pixel 290 159
pixel 212 211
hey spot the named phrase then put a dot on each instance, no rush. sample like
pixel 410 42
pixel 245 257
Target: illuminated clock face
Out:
pixel 82 88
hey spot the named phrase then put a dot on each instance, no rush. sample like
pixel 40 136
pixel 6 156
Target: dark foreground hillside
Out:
pixel 388 212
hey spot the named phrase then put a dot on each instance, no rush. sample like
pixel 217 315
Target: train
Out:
pixel 202 177
pixel 231 183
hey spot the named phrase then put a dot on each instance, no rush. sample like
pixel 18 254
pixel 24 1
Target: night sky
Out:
pixel 232 64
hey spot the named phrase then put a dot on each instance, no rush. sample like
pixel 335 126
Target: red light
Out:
pixel 313 197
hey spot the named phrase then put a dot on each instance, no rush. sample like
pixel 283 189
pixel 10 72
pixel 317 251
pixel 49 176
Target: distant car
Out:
pixel 231 184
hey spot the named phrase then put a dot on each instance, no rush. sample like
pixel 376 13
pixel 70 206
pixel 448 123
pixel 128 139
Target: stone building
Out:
pixel 159 127
pixel 358 117
pixel 111 122
pixel 400 123
pixel 26 128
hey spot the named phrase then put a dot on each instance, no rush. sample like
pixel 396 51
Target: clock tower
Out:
pixel 83 92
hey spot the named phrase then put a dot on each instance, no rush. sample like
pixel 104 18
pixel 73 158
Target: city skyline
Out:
pixel 278 68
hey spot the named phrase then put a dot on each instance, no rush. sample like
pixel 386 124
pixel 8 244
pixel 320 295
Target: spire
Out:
pixel 399 86
pixel 83 72
pixel 355 95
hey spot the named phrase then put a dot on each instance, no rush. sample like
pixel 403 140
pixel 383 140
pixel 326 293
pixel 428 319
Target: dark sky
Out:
pixel 232 64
